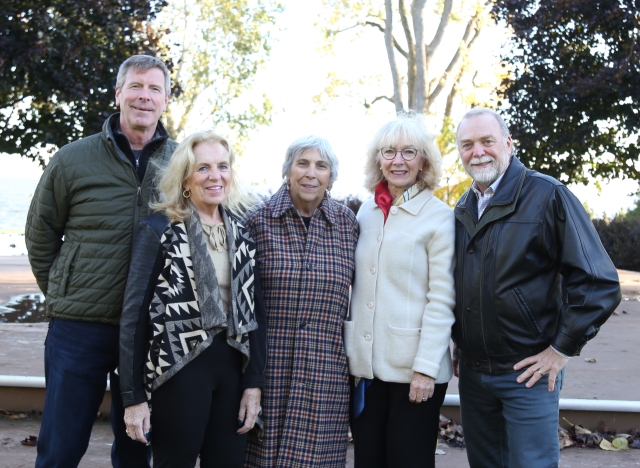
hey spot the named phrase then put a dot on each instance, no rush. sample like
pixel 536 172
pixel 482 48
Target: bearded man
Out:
pixel 533 285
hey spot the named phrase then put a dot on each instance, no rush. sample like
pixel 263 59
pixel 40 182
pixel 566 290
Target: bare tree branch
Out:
pixel 349 28
pixel 378 98
pixel 388 41
pixel 453 92
pixel 420 91
pixel 382 29
pixel 411 59
pixel 470 35
pixel 437 38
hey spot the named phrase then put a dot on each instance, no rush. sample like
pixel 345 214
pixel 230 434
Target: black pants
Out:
pixel 195 412
pixel 393 432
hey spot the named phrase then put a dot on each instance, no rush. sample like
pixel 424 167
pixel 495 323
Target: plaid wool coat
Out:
pixel 305 277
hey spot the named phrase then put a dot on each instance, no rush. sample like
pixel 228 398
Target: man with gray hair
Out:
pixel 79 235
pixel 533 285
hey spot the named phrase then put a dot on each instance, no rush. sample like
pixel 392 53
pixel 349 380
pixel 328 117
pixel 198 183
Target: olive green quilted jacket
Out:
pixel 81 224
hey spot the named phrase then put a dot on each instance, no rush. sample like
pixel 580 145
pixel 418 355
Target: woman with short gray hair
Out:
pixel 305 245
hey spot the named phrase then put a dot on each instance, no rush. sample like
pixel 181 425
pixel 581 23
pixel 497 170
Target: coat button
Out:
pixel 303 325
pixel 367 337
pixel 373 271
pixel 470 251
pixel 394 209
pixel 309 266
pixel 468 309
pixel 370 305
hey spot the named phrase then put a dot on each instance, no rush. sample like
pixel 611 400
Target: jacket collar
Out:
pixel 502 204
pixel 111 132
pixel 281 202
pixel 414 205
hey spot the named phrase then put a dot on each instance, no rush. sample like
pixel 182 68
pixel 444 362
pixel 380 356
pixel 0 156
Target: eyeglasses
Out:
pixel 407 154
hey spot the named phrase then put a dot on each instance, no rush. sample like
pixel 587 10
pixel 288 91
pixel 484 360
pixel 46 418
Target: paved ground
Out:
pixel 13 454
pixel 614 376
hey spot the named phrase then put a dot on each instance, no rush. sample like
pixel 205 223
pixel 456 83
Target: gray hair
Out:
pixel 303 144
pixel 411 125
pixel 143 63
pixel 476 111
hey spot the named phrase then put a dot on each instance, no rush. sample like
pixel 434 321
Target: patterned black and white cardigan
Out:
pixel 173 307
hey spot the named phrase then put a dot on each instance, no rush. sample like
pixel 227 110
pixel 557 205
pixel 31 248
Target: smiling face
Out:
pixel 308 180
pixel 401 174
pixel 210 180
pixel 484 151
pixel 142 100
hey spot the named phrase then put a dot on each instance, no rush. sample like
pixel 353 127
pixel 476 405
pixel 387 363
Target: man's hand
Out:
pixel 546 362
pixel 421 388
pixel 249 409
pixel 137 419
pixel 456 367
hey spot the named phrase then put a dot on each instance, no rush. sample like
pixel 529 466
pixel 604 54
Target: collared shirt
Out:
pixel 484 199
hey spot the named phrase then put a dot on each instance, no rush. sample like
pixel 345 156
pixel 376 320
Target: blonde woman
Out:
pixel 193 338
pixel 401 311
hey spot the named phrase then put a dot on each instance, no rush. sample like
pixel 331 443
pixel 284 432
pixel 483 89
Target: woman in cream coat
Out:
pixel 397 338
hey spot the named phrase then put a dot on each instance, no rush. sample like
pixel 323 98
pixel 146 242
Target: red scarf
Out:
pixel 383 198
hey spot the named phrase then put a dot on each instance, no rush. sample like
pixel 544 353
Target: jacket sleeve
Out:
pixel 590 280
pixel 145 267
pixel 438 317
pixel 254 373
pixel 46 222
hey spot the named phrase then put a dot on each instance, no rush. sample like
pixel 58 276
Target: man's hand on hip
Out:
pixel 546 362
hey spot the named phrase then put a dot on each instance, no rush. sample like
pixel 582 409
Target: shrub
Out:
pixel 621 239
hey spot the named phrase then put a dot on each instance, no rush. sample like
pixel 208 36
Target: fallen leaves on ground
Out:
pixel 18 414
pixel 451 433
pixel 31 441
pixel 604 438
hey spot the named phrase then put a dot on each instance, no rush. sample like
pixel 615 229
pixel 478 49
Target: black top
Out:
pixel 139 158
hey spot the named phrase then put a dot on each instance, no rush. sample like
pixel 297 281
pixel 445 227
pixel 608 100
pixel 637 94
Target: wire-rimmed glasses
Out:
pixel 407 153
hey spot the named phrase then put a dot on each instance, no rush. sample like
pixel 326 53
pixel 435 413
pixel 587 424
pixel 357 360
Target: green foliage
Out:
pixel 634 213
pixel 454 180
pixel 58 64
pixel 219 47
pixel 621 239
pixel 571 99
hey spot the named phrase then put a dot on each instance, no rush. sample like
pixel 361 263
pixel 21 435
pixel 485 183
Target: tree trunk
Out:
pixel 420 89
pixel 388 41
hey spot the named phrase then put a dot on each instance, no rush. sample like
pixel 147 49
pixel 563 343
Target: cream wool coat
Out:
pixel 403 296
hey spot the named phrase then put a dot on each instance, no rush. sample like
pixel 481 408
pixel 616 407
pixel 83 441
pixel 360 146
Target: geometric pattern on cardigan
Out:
pixel 176 317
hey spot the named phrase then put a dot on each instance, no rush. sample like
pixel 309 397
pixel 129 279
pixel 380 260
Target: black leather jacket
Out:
pixel 531 273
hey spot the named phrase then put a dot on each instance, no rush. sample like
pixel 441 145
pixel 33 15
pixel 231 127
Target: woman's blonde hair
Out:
pixel 411 126
pixel 181 166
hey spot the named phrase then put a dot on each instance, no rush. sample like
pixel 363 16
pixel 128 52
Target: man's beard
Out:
pixel 487 175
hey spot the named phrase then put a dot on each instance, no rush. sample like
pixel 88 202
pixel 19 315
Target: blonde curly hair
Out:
pixel 411 126
pixel 178 170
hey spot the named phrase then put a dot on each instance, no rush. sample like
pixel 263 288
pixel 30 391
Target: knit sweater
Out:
pixel 403 295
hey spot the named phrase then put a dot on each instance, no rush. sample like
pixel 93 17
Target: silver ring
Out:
pixel 540 372
pixel 424 399
pixel 127 431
